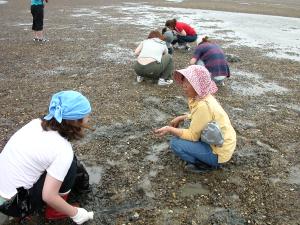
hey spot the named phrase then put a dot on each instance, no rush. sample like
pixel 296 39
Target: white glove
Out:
pixel 82 216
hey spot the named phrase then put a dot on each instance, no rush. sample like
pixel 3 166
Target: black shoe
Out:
pixel 195 169
pixel 42 40
pixel 204 166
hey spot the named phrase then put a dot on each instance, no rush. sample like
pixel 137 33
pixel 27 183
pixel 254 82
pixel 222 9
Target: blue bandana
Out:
pixel 69 105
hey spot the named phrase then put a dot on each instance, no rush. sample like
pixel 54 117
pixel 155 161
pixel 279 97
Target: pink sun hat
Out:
pixel 199 77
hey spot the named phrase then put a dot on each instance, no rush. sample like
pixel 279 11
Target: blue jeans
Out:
pixel 194 152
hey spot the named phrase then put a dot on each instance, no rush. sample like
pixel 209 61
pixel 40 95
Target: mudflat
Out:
pixel 135 177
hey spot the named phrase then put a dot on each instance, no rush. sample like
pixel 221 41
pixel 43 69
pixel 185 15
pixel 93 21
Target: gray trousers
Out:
pixel 156 70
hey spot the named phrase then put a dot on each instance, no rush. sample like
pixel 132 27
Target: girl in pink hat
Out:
pixel 199 88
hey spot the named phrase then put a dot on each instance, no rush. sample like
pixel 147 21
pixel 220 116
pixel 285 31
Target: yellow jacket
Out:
pixel 200 115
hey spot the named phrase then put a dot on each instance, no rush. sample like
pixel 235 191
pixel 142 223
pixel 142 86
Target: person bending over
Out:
pixel 153 60
pixel 38 164
pixel 184 33
pixel 169 38
pixel 212 57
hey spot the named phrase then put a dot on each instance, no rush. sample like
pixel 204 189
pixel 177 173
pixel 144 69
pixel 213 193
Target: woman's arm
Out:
pixel 168 129
pixel 176 121
pixel 200 117
pixel 181 33
pixel 138 49
pixel 51 196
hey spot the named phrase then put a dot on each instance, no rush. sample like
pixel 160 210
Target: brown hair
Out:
pixel 69 129
pixel 171 24
pixel 156 34
pixel 204 39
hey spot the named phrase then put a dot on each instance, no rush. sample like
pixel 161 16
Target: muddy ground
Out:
pixel 135 178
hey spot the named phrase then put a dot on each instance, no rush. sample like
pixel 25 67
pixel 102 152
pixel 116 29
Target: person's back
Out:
pixel 38 166
pixel 153 48
pixel 28 153
pixel 187 28
pixel 153 60
pixel 213 58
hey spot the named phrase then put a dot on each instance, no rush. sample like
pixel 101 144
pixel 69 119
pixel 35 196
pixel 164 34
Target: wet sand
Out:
pixel 135 177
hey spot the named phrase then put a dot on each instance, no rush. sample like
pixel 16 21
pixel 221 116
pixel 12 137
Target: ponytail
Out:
pixel 203 39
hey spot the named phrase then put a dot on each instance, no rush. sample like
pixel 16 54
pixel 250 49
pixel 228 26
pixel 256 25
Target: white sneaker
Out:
pixel 162 82
pixel 139 79
pixel 187 47
pixel 181 47
pixel 175 46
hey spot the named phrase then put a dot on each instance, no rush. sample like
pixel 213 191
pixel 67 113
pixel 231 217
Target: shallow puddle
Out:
pixel 177 1
pixel 95 172
pixel 153 155
pixel 294 177
pixel 145 184
pixel 274 180
pixel 193 189
pixel 256 89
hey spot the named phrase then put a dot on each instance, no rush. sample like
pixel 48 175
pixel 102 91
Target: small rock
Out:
pixel 135 217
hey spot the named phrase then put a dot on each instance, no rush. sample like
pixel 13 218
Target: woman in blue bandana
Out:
pixel 38 164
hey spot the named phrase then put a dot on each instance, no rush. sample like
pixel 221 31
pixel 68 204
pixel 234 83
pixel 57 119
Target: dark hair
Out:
pixel 171 24
pixel 156 34
pixel 164 30
pixel 205 39
pixel 69 129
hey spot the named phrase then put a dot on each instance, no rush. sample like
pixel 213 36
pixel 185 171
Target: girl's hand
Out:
pixel 175 122
pixel 162 131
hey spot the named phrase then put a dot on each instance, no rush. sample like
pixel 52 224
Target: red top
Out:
pixel 187 28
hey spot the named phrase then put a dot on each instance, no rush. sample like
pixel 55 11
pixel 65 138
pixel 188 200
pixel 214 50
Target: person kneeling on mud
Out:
pixel 200 156
pixel 153 60
pixel 38 164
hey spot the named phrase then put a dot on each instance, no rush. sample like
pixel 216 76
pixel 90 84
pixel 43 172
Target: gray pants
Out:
pixel 156 70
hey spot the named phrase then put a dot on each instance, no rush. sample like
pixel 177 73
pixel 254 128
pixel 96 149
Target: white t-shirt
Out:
pixel 29 153
pixel 153 48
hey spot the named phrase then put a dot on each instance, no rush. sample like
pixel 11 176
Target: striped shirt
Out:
pixel 213 58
